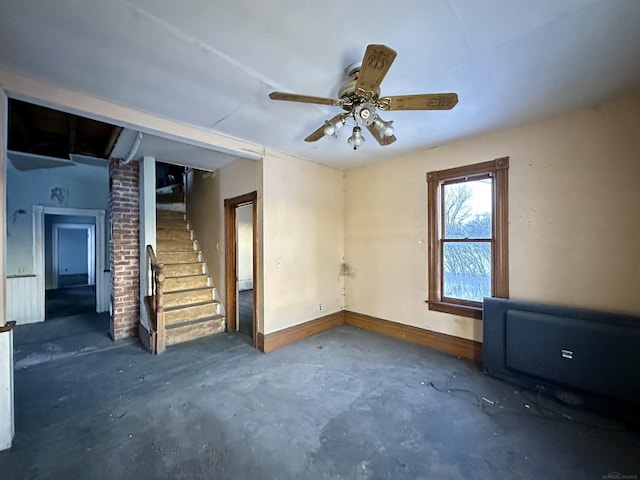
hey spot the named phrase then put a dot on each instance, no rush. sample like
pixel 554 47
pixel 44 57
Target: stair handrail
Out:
pixel 156 277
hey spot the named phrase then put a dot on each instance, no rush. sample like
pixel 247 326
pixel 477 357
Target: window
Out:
pixel 468 243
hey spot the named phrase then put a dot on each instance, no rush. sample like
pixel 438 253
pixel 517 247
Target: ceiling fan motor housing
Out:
pixel 365 113
pixel 348 92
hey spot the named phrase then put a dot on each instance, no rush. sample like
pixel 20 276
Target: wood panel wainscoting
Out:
pixel 24 300
pixel 460 347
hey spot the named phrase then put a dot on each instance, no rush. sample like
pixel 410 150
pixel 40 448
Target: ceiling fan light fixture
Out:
pixel 332 126
pixel 356 139
pixel 384 128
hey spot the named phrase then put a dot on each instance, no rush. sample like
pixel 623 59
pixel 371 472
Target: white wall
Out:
pixel 147 180
pixel 244 222
pixel 72 251
pixel 49 221
pixel 84 186
pixel 7 426
pixel 573 211
pixel 303 233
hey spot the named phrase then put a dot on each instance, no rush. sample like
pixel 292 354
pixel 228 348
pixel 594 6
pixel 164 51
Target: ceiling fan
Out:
pixel 360 98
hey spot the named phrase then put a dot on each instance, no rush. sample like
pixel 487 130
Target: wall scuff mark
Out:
pixel 346 270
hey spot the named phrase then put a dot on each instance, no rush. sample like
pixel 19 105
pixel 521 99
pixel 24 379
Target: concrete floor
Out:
pixel 245 312
pixel 63 302
pixel 345 404
pixel 62 337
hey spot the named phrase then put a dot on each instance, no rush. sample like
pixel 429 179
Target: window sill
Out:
pixel 461 310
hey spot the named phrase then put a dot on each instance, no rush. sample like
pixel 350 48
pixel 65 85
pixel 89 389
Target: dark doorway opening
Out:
pixel 241 286
pixel 70 259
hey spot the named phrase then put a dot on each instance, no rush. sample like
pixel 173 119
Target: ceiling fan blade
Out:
pixel 427 101
pixel 294 97
pixel 337 122
pixel 316 135
pixel 375 65
pixel 382 140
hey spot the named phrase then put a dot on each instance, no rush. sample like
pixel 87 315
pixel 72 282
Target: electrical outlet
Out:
pixel 319 307
pixel 21 270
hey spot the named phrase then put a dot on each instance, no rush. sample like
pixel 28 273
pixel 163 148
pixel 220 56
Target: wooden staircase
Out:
pixel 191 307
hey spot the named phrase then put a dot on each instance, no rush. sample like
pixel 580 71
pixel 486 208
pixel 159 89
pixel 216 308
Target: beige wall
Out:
pixel 574 225
pixel 303 240
pixel 206 192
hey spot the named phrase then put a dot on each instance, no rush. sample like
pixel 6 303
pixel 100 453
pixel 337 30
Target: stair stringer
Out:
pixel 216 292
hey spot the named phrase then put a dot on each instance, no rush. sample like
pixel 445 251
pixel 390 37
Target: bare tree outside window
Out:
pixel 466 241
pixel 468 251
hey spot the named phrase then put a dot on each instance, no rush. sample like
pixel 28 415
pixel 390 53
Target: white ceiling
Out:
pixel 169 151
pixel 212 63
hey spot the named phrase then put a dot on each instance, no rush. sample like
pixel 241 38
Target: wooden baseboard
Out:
pixel 275 340
pixel 460 347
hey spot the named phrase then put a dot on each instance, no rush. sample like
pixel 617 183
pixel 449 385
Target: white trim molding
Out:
pixel 7 425
pixel 103 291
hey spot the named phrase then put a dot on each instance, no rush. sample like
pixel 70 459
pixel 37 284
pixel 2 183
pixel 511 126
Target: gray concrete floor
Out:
pixel 345 404
pixel 245 312
pixel 67 301
pixel 62 337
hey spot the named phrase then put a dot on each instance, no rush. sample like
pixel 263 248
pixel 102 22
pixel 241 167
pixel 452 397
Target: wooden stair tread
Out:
pixel 192 256
pixel 174 234
pixel 188 290
pixel 172 226
pixel 194 322
pixel 191 310
pixel 183 263
pixel 187 297
pixel 171 266
pixel 170 223
pixel 170 213
pixel 186 277
pixel 190 305
pixel 193 331
pixel 185 247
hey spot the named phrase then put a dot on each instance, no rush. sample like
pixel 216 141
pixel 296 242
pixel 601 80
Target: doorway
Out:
pixel 73 254
pixel 91 227
pixel 241 285
pixel 70 259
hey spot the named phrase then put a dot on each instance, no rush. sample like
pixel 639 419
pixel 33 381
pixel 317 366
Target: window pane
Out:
pixel 467 209
pixel 467 270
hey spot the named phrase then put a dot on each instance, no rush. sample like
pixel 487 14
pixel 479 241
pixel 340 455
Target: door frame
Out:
pixel 91 250
pixel 39 212
pixel 231 259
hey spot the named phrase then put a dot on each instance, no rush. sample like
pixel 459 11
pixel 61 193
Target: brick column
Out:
pixel 124 194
